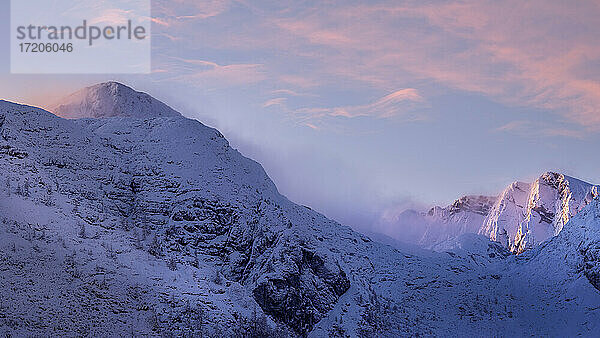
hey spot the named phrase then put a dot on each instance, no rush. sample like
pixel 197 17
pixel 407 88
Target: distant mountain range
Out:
pixel 523 216
pixel 124 218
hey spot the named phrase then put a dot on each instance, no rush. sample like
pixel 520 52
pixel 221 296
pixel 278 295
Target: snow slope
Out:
pixel 146 224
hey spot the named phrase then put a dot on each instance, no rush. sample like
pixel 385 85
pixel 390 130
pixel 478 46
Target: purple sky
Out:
pixel 360 108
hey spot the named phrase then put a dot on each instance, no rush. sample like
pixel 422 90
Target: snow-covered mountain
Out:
pixel 439 224
pixel 111 99
pixel 130 219
pixel 524 215
pixel 529 214
pixel 465 215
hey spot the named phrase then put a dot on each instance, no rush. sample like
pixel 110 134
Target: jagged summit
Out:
pixel 521 217
pixel 529 214
pixel 111 99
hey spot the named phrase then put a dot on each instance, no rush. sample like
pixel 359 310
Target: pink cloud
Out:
pixel 299 80
pixel 313 33
pixel 211 74
pixel 406 104
pixel 289 92
pixel 536 129
pixel 179 12
pixel 519 53
pixel 311 126
pixel 113 17
pixel 274 102
pixel 159 21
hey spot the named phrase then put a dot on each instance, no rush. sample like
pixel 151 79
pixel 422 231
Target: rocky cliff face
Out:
pixel 501 224
pixel 527 215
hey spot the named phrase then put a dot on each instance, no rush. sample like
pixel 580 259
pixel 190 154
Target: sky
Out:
pixel 362 108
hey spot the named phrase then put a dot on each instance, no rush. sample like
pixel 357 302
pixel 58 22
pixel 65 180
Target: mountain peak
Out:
pixel 478 204
pixel 111 99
